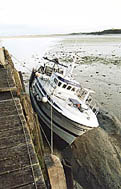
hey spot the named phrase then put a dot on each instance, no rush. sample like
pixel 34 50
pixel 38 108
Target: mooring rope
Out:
pixel 21 63
pixel 46 138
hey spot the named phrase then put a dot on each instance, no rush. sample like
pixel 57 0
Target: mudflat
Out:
pixel 98 66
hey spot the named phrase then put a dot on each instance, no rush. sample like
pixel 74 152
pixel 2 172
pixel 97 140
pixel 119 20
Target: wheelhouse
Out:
pixel 57 81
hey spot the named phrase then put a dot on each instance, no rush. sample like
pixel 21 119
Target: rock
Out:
pixel 95 156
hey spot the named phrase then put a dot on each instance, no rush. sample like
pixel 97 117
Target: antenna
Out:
pixel 55 60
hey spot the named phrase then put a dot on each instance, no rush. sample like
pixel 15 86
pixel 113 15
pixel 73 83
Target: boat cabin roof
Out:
pixel 58 81
pixel 66 81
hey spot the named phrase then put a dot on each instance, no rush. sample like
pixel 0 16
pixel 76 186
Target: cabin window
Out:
pixel 59 83
pixel 52 82
pixel 69 87
pixel 73 89
pixel 77 90
pixel 55 80
pixel 64 86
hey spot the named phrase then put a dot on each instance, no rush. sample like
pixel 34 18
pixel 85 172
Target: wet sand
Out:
pixel 98 67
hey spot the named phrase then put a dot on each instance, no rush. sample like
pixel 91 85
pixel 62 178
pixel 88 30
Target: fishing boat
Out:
pixel 60 101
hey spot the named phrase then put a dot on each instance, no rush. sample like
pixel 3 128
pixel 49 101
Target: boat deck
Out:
pixel 19 167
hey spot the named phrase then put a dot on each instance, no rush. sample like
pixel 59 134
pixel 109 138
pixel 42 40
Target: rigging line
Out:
pixel 21 63
pixel 45 137
pixel 24 134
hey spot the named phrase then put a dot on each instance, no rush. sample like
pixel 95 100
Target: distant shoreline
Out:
pixel 104 32
pixel 33 36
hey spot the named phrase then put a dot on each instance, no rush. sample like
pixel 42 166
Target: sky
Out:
pixel 58 16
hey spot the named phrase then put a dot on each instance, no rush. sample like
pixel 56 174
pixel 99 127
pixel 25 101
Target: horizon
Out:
pixel 15 30
pixel 57 34
pixel 51 17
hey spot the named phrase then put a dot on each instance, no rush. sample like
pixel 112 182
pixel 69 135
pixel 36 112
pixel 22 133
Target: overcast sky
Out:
pixel 58 16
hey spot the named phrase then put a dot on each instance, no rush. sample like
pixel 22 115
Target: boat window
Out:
pixel 64 86
pixel 77 90
pixel 69 87
pixel 59 83
pixel 55 80
pixel 73 89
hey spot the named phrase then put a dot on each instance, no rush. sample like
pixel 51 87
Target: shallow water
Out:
pixel 98 58
pixel 28 50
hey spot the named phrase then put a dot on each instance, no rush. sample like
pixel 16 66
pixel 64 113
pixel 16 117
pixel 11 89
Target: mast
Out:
pixel 72 66
pixel 69 71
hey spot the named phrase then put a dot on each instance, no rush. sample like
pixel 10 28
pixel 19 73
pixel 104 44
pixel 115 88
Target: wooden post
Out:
pixel 2 58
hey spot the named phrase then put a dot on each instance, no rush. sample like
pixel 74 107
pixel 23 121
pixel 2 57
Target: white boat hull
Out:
pixel 67 129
